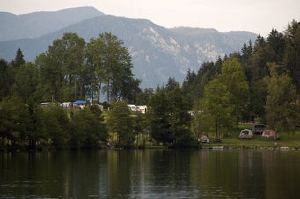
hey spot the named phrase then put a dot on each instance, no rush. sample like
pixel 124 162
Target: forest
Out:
pixel 258 84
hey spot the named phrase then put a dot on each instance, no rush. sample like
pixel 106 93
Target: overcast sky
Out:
pixel 258 16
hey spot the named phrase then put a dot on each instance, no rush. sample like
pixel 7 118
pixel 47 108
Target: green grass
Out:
pixel 286 140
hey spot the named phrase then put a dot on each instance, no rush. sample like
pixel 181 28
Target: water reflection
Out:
pixel 150 174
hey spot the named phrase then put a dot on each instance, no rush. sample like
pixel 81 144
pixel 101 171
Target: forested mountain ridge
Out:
pixel 157 52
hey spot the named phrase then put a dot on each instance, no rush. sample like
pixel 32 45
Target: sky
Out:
pixel 258 16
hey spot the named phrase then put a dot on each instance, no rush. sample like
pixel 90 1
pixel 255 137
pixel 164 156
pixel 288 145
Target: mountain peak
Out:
pixel 22 26
pixel 84 10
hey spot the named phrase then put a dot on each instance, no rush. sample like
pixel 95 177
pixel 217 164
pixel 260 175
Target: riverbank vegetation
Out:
pixel 260 83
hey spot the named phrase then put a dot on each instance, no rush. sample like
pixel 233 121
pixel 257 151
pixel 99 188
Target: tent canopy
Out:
pixel 79 102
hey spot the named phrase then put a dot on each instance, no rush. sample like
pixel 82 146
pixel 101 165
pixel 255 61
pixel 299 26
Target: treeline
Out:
pixel 31 127
pixel 258 84
pixel 72 69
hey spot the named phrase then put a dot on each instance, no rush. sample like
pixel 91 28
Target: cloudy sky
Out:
pixel 259 16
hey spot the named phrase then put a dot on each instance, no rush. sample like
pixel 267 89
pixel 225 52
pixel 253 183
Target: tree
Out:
pixel 34 132
pixel 142 98
pixel 95 52
pixel 4 79
pixel 26 82
pixel 194 84
pixel 179 117
pixel 276 44
pixel 119 121
pixel 281 105
pixel 62 70
pixel 202 121
pixel 188 86
pixel 112 65
pixel 13 120
pixel 225 98
pixel 233 76
pixel 159 120
pixel 55 126
pixel 218 102
pixel 19 59
pixel 14 67
pixel 87 128
pixel 264 51
pixel 168 116
pixel 292 53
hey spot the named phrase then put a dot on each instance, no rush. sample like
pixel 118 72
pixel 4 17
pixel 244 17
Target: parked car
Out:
pixel 246 134
pixel 258 128
pixel 270 134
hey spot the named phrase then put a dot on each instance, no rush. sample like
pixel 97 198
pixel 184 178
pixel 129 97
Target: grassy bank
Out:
pixel 286 140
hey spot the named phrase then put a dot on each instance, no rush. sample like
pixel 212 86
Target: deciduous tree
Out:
pixel 26 82
pixel 169 117
pixel 120 122
pixel 112 66
pixel 281 105
pixel 62 68
pixel 218 102
pixel 233 76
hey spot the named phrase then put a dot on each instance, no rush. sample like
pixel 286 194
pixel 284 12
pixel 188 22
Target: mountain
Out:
pixel 36 24
pixel 157 52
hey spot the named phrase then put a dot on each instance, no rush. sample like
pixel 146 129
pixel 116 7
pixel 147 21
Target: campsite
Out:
pixel 258 142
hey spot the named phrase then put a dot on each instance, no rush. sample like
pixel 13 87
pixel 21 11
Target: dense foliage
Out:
pixel 168 115
pixel 260 83
pixel 256 93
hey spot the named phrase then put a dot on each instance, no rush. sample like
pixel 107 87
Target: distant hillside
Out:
pixel 157 52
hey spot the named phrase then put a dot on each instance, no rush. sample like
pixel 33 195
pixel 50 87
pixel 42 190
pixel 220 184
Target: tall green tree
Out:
pixel 62 70
pixel 87 128
pixel 19 59
pixel 26 82
pixel 276 45
pixel 4 79
pixel 120 122
pixel 179 117
pixel 188 87
pixel 159 119
pixel 292 53
pixel 56 126
pixel 255 70
pixel 233 76
pixel 143 97
pixel 14 67
pixel 202 121
pixel 111 63
pixel 193 85
pixel 95 52
pixel 168 116
pixel 281 105
pixel 218 102
pixel 13 120
pixel 34 132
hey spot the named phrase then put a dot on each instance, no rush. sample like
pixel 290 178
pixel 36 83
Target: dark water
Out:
pixel 151 174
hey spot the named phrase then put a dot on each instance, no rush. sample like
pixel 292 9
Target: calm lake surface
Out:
pixel 151 173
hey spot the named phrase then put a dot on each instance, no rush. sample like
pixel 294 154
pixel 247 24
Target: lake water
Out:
pixel 151 173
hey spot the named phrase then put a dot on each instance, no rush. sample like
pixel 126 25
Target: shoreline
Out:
pixel 276 148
